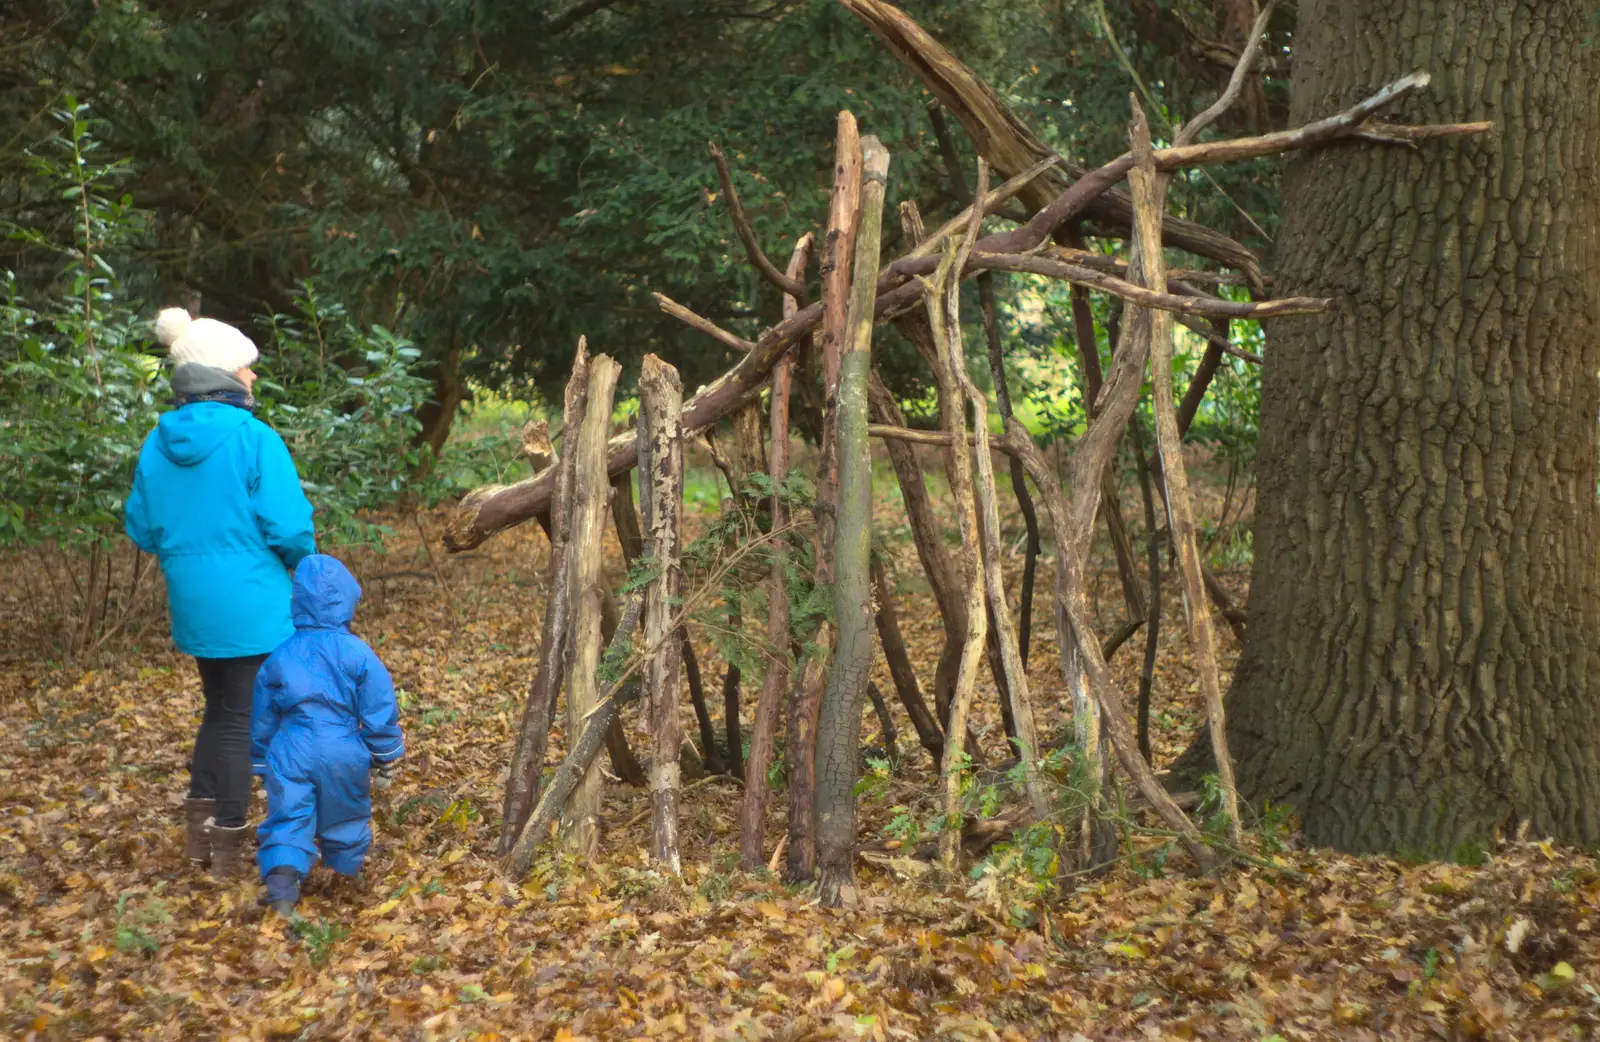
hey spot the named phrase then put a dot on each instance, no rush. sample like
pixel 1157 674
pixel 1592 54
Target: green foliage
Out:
pixel 80 386
pixel 132 929
pixel 76 392
pixel 319 937
pixel 346 404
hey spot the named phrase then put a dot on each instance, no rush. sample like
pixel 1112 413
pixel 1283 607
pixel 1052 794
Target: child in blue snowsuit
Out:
pixel 324 716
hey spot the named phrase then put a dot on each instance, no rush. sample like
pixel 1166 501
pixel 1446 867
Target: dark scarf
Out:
pixel 201 383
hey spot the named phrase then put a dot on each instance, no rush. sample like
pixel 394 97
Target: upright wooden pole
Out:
pixel 581 821
pixel 839 728
pixel 661 455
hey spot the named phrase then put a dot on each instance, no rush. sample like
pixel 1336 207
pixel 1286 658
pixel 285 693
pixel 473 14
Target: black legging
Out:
pixel 220 769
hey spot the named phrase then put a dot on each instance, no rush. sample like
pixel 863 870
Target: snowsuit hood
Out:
pixel 325 594
pixel 189 436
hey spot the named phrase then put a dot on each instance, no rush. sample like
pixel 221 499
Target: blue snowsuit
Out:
pixel 325 713
pixel 217 499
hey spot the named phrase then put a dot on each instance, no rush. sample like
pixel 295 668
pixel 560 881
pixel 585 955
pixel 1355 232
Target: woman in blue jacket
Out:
pixel 216 498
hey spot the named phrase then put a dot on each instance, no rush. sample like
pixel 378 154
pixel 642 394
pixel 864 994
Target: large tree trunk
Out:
pixel 1419 669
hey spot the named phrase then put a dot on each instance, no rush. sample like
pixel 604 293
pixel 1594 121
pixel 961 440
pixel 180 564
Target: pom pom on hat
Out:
pixel 204 341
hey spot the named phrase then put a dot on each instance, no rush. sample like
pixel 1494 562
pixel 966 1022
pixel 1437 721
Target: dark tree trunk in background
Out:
pixel 1422 659
pixel 449 390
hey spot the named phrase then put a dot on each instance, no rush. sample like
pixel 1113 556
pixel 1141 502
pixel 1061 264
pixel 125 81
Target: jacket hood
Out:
pixel 325 594
pixel 187 436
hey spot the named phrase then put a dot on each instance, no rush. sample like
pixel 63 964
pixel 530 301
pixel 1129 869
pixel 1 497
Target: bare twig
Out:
pixel 1241 71
pixel 494 508
pixel 704 325
pixel 747 234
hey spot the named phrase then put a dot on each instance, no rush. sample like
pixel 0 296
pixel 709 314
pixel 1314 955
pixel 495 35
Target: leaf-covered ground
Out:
pixel 105 932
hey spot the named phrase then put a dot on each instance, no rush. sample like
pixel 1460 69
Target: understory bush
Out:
pixel 82 383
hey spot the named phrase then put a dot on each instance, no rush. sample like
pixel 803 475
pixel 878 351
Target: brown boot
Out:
pixel 196 840
pixel 227 851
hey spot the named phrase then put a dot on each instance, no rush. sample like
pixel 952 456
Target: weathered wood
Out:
pixel 533 739
pixel 763 732
pixel 839 725
pixel 1075 628
pixel 569 774
pixel 1016 691
pixel 747 459
pixel 837 257
pixel 1149 200
pixel 1152 635
pixel 581 818
pixel 927 535
pixel 988 308
pixel 661 454
pixel 710 757
pixel 943 296
pixel 493 508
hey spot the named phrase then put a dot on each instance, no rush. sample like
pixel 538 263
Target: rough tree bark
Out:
pixel 1420 670
pixel 661 457
pixel 838 755
pixel 581 820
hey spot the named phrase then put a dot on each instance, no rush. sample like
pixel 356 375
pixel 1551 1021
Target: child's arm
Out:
pixel 264 717
pixel 379 712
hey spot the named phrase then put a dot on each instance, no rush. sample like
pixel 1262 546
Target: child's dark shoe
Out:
pixel 283 890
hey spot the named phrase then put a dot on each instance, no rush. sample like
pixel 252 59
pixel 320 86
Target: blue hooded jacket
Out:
pixel 324 713
pixel 217 499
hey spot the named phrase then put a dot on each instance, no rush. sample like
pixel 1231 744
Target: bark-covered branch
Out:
pixel 747 234
pixel 494 508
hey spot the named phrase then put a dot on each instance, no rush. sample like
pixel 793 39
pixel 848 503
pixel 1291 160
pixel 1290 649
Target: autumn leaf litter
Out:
pixel 106 933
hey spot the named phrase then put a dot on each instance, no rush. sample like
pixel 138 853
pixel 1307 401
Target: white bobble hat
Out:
pixel 204 341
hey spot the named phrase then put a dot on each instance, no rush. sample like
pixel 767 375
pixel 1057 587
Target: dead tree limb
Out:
pixel 704 325
pixel 1075 628
pixel 943 301
pixel 763 735
pixel 1016 677
pixel 661 455
pixel 1149 200
pixel 493 508
pixel 580 759
pixel 926 534
pixel 839 725
pixel 989 310
pixel 581 820
pixel 533 740
pixel 747 234
pixel 1153 634
pixel 901 670
pixel 835 261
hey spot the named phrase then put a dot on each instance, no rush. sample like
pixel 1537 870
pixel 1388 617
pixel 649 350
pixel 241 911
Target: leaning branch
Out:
pixel 495 508
pixel 747 234
pixel 704 325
